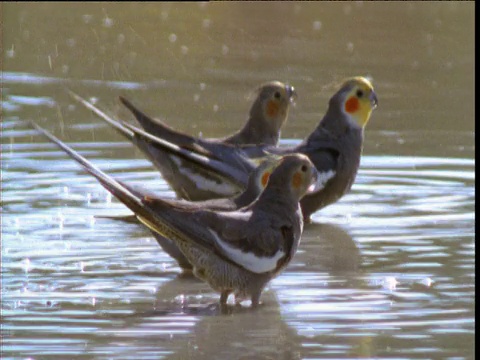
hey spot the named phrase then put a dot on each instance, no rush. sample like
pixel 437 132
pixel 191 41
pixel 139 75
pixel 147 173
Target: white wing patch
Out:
pixel 322 178
pixel 249 261
pixel 202 182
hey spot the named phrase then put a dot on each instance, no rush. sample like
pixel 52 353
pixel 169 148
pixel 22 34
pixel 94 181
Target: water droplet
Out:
pixel 71 42
pixel 215 108
pixel 93 100
pixel 11 52
pixel 65 69
pixel 172 38
pixel 87 18
pixel 184 49
pixel 317 25
pixel 196 97
pixel 107 22
pixel 203 86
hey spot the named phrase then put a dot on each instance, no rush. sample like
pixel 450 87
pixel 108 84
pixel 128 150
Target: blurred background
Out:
pixel 204 59
pixel 388 271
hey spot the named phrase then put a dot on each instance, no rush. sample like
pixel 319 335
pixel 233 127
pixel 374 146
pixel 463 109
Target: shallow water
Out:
pixel 387 272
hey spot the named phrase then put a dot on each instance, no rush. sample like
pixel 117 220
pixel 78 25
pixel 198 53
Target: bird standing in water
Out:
pixel 334 147
pixel 233 251
pixel 267 115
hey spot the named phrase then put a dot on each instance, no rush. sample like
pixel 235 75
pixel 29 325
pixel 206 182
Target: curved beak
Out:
pixel 291 93
pixel 373 99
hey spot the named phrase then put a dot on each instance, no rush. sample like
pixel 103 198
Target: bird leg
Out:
pixel 224 296
pixel 256 299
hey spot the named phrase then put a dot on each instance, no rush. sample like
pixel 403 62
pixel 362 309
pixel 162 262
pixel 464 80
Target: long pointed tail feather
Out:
pixel 118 126
pixel 133 202
pixel 146 121
pixel 148 211
pixel 133 133
pixel 231 173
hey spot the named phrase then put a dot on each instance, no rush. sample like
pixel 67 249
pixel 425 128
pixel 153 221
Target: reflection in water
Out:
pixel 203 331
pixel 387 272
pixel 396 269
pixel 366 278
pixel 393 268
pixel 329 247
pixel 250 334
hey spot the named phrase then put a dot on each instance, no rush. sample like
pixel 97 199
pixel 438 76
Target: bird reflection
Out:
pixel 328 247
pixel 209 331
pixel 186 320
pixel 252 334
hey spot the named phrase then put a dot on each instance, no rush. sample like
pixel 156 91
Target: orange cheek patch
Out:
pixel 272 108
pixel 265 178
pixel 297 180
pixel 352 105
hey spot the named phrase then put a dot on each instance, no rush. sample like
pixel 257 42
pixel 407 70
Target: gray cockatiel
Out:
pixel 266 117
pixel 256 183
pixel 235 251
pixel 335 147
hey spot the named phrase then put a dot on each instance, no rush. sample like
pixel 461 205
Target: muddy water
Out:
pixel 387 272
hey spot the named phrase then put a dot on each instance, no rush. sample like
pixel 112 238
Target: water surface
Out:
pixel 387 272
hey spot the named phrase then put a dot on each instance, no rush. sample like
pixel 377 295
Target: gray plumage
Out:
pixel 267 115
pixel 233 251
pixel 334 147
pixel 256 183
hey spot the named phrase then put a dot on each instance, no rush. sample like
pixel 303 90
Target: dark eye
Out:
pixel 304 168
pixel 359 93
pixel 277 95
